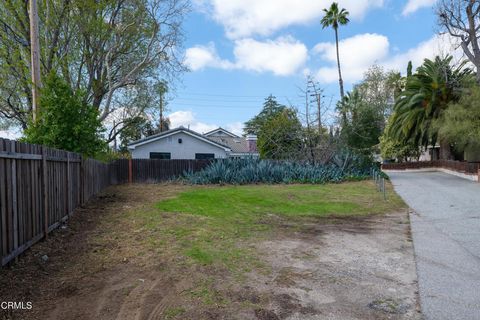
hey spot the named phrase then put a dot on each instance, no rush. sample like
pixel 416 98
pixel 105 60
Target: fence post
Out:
pixel 45 192
pixel 130 171
pixel 68 185
pixel 383 187
pixel 82 181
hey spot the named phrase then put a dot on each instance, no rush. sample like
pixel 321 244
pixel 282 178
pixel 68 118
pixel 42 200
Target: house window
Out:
pixel 160 155
pixel 203 156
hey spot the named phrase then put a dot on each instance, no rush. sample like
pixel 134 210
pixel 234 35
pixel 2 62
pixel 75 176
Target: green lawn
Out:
pixel 213 225
pixel 245 203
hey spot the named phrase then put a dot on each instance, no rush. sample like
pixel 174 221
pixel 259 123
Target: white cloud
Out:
pixel 200 57
pixel 244 18
pixel 12 134
pixel 188 119
pixel 414 5
pixel 282 56
pixel 356 55
pixel 437 45
pixel 360 52
pixel 236 127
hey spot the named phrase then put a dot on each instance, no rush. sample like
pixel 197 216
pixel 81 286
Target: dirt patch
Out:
pixel 104 265
pixel 345 269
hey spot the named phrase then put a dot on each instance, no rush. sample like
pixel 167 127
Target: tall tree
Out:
pixel 460 19
pixel 334 17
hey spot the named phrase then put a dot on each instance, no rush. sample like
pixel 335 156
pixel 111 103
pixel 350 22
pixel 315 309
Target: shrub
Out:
pixel 66 121
pixel 251 170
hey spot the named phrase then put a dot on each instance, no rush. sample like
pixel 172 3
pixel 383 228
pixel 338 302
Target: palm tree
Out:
pixel 335 18
pixel 426 96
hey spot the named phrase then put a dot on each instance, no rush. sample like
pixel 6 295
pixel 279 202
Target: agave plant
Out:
pixel 251 170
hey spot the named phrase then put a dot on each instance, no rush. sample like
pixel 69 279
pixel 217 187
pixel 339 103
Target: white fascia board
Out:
pixel 133 146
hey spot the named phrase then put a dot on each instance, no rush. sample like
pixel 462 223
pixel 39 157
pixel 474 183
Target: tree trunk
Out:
pixel 445 150
pixel 340 80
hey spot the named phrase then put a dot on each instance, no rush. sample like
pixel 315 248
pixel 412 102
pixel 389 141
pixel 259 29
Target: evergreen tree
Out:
pixel 271 108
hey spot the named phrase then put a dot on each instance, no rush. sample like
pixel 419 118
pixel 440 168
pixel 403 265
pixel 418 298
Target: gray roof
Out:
pixel 236 144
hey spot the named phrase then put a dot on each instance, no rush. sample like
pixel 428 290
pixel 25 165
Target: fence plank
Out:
pixel 3 204
pixel 14 199
pixel 156 170
pixel 45 191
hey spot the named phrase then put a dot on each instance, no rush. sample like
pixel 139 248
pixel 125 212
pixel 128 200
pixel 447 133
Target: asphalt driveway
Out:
pixel 446 235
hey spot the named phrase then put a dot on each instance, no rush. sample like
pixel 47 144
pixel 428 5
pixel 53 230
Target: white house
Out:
pixel 182 143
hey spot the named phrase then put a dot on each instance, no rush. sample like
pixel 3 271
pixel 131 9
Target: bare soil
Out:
pixel 98 267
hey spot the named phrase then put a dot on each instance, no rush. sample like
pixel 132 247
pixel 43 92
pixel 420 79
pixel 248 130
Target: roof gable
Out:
pixel 220 132
pixel 169 133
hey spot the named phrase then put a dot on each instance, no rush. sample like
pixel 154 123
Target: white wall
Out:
pixel 184 150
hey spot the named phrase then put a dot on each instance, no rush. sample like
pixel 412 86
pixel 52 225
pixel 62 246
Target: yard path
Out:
pixel 446 234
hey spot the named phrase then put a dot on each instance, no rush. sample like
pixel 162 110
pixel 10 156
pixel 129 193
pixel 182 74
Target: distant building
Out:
pixel 182 143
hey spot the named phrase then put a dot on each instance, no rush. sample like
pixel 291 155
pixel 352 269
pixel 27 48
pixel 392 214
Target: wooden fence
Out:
pixel 460 166
pixel 39 189
pixel 155 170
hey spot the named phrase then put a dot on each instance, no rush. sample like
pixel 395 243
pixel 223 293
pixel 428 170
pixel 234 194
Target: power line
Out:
pixel 215 100
pixel 213 106
pixel 219 95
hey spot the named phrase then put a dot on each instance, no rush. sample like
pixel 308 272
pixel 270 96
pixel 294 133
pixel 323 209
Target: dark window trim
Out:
pixel 160 155
pixel 204 156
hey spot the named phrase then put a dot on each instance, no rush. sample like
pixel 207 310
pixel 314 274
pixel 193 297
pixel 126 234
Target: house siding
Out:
pixel 185 150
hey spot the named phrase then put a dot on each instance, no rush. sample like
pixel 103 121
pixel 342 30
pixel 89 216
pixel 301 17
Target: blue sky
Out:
pixel 240 51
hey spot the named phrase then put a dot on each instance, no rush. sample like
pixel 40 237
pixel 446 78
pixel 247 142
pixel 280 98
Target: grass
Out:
pixel 172 313
pixel 210 225
pixel 246 203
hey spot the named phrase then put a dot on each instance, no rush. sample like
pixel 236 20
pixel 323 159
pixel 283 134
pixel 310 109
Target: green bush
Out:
pixel 66 121
pixel 252 170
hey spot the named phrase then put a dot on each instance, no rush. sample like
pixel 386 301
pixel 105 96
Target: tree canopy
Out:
pixel 115 51
pixel 460 123
pixel 270 109
pixel 426 96
pixel 280 136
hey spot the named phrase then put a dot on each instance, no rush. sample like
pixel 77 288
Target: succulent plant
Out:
pixel 253 170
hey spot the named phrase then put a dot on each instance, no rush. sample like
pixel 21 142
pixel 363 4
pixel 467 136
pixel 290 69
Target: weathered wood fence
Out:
pixel 155 170
pixel 460 166
pixel 39 189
